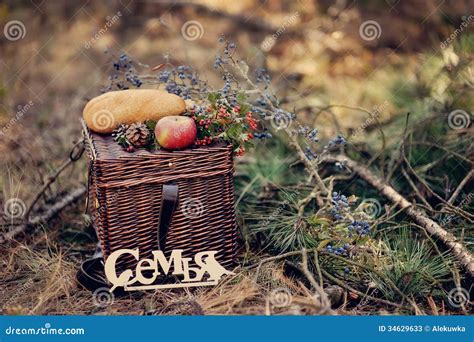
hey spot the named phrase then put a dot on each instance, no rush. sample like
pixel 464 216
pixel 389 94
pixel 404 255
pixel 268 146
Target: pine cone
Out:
pixel 119 133
pixel 137 134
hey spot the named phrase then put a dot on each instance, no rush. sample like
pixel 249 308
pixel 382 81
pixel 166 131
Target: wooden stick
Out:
pixel 363 295
pixel 72 197
pixel 46 186
pixel 415 189
pixel 459 250
pixel 73 157
pixel 460 186
pixel 325 303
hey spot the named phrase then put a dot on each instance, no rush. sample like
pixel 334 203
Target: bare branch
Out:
pixel 57 207
pixel 459 250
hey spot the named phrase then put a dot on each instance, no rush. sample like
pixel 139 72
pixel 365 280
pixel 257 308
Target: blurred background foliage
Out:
pixel 321 69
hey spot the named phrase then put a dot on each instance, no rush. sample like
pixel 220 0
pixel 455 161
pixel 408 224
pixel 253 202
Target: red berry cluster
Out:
pixel 223 113
pixel 204 141
pixel 204 123
pixel 215 120
pixel 251 121
pixel 240 151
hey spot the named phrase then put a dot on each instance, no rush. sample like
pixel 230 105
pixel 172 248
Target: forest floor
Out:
pixel 324 70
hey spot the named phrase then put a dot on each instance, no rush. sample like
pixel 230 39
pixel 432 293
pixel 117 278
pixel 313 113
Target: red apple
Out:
pixel 175 132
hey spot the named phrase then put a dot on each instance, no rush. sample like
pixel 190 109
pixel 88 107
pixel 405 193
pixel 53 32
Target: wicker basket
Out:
pixel 125 191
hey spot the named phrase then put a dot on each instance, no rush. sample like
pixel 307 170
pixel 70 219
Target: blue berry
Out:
pixel 339 202
pixel 262 76
pixel 338 141
pixel 262 135
pixel 361 228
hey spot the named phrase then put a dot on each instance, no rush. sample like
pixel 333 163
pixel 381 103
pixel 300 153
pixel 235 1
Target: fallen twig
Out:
pixel 459 211
pixel 73 157
pixel 47 215
pixel 415 189
pixel 363 295
pixel 46 186
pixel 324 301
pixel 459 250
pixel 337 281
pixel 460 186
pixel 378 274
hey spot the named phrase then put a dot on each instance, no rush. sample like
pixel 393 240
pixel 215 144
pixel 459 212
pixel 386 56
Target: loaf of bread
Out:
pixel 106 112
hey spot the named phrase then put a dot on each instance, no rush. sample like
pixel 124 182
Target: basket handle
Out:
pixel 169 199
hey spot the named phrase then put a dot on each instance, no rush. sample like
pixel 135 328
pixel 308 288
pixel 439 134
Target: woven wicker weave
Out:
pixel 125 197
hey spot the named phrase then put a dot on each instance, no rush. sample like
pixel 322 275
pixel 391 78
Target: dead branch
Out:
pixel 320 187
pixel 459 211
pixel 52 211
pixel 361 294
pixel 378 274
pixel 415 189
pixel 74 155
pixel 460 186
pixel 324 301
pixel 46 185
pixel 322 272
pixel 459 250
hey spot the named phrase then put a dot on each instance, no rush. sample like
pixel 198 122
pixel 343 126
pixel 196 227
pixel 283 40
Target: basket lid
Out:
pixel 103 147
pixel 114 167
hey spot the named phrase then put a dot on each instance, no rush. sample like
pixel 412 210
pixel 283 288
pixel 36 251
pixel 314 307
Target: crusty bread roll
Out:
pixel 106 112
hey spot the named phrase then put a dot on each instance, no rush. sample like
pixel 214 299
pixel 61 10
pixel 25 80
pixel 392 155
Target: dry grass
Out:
pixel 43 282
pixel 51 68
pixel 35 281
